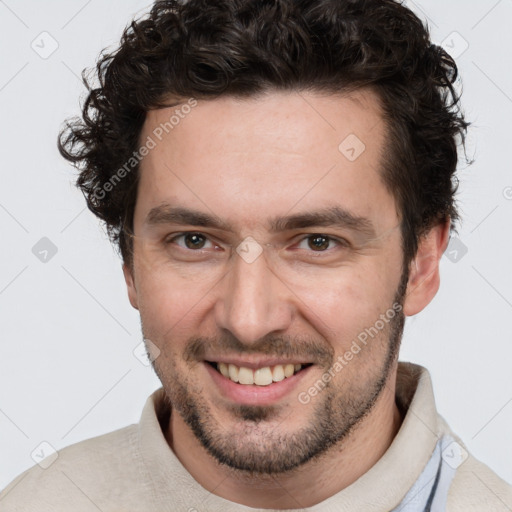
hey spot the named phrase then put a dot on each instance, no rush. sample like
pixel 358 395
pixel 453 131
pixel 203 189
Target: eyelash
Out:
pixel 340 241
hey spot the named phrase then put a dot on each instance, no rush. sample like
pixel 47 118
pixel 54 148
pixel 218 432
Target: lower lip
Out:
pixel 252 394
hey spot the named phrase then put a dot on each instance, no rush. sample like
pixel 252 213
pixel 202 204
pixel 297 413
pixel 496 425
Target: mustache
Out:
pixel 275 346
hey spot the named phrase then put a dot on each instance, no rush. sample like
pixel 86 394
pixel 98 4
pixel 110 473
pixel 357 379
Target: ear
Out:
pixel 130 285
pixel 424 279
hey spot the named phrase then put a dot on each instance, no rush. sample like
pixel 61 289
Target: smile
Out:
pixel 263 376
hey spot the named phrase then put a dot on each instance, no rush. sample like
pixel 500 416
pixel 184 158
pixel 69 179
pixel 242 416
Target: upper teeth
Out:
pixel 261 377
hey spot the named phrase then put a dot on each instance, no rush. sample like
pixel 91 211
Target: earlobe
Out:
pixel 130 285
pixel 424 277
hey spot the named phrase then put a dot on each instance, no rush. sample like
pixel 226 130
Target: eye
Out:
pixel 320 243
pixel 192 240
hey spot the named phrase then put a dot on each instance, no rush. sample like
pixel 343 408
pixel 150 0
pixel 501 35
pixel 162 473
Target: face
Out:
pixel 264 237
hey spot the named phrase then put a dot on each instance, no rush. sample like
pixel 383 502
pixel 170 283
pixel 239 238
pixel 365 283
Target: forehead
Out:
pixel 278 120
pixel 267 155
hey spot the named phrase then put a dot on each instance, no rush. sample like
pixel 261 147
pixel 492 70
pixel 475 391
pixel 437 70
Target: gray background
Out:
pixel 67 367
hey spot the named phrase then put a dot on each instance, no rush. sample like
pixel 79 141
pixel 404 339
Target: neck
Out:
pixel 306 486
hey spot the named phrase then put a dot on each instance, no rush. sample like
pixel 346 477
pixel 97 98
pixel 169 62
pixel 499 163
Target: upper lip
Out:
pixel 255 362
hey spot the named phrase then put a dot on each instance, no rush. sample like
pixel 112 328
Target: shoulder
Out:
pixel 82 477
pixel 475 487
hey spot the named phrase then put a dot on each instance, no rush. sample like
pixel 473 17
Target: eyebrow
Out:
pixel 334 216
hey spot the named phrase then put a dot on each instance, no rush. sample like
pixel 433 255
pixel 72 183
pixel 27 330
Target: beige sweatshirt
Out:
pixel 134 469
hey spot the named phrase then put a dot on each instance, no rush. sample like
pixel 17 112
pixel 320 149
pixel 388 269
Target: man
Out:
pixel 279 180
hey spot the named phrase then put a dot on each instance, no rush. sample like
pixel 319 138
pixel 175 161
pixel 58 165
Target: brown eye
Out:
pixel 319 242
pixel 192 241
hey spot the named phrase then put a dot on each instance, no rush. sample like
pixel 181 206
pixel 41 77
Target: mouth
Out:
pixel 262 376
pixel 256 379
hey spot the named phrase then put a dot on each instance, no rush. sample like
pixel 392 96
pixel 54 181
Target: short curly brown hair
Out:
pixel 203 49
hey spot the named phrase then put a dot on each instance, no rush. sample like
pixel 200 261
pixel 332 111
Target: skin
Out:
pixel 247 161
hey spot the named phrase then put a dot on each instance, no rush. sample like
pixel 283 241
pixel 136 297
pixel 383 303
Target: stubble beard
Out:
pixel 256 448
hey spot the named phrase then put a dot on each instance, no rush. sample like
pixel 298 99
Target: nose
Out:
pixel 253 302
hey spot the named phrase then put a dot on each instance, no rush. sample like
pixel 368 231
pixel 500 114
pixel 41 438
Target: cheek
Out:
pixel 166 304
pixel 348 301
